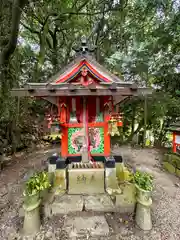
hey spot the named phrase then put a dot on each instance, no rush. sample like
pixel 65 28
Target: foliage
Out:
pixel 143 180
pixel 37 183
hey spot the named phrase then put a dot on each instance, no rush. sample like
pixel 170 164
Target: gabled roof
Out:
pixel 107 84
pixel 75 67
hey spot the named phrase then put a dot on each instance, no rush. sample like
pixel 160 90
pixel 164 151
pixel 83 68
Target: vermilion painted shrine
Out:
pixel 87 98
pixel 85 175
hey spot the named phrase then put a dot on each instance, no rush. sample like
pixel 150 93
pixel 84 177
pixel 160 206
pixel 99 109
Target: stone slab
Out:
pixel 99 203
pixel 93 226
pixel 67 204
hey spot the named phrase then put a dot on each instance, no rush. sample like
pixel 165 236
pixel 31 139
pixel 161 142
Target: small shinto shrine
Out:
pixel 86 100
pixel 175 129
pixel 172 159
pixel 86 97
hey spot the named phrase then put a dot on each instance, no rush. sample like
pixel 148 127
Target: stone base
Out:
pixel 128 208
pixel 143 217
pixel 99 203
pixel 93 226
pixel 67 204
pixel 32 222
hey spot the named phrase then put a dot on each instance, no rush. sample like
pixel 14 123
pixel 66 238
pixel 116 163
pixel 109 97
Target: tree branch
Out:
pixel 28 28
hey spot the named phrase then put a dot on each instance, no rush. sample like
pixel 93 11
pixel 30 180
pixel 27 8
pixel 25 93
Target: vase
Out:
pixel 32 221
pixel 142 195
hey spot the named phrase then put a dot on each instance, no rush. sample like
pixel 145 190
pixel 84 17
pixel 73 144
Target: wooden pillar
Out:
pixel 107 139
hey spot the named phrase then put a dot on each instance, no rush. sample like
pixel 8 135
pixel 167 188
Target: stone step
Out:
pixel 67 204
pixel 92 226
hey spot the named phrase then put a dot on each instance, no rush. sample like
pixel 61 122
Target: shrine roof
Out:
pixel 68 81
pixel 95 68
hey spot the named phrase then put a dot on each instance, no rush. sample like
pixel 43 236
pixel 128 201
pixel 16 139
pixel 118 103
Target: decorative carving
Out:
pixel 84 71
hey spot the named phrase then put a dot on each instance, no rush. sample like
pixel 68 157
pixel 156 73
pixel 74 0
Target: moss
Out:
pixel 167 158
pixel 176 161
pixel 173 159
pixel 122 173
pixel 178 172
pixel 169 167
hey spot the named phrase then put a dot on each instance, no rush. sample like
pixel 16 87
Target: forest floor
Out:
pixel 165 209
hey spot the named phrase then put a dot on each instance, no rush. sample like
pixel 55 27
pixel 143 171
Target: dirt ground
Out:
pixel 165 209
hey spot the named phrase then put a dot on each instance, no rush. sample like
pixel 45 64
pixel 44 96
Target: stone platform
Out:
pixel 66 204
pixel 69 204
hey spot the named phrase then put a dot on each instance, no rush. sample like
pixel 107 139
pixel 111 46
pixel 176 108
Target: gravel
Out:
pixel 165 208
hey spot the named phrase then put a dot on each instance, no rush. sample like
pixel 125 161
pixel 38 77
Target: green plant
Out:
pixel 144 180
pixel 38 182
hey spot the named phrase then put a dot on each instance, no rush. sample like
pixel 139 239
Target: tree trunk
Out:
pixel 11 45
pixel 136 131
pixel 145 121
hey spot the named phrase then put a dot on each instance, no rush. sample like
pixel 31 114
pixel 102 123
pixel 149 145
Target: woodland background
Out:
pixel 138 40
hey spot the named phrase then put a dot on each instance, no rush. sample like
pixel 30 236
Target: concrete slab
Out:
pixel 93 226
pixel 67 204
pixel 99 203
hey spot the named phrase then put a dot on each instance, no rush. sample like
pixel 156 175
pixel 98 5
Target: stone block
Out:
pixel 60 179
pixel 99 203
pixel 86 181
pixel 67 204
pixel 119 169
pixel 122 172
pixel 51 168
pixel 169 167
pixel 167 158
pixel 177 172
pixel 93 226
pixel 126 201
pixel 111 180
pixel 176 160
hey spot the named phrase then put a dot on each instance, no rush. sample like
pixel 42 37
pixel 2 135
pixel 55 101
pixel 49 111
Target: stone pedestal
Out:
pixel 143 214
pixel 31 219
pixel 110 180
pixel 51 170
pixel 119 170
pixel 60 179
